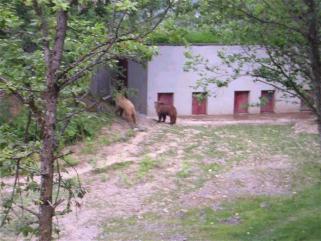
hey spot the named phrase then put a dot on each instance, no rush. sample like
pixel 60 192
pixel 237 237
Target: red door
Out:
pixel 241 101
pixel 267 101
pixel 166 98
pixel 199 107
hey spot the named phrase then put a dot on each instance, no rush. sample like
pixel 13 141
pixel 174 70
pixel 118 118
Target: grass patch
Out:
pixel 69 161
pixel 295 218
pixel 184 172
pixel 190 148
pixel 103 177
pixel 181 36
pixel 113 167
pixel 145 165
pixel 86 125
pixel 211 167
pixel 286 218
pixel 170 153
pixel 149 226
pixel 261 219
pixel 91 145
pixel 104 141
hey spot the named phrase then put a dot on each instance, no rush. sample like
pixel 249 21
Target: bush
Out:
pixel 14 146
pixel 4 111
pixel 85 125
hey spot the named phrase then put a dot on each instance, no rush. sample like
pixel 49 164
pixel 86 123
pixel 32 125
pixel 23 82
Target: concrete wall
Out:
pixel 166 74
pixel 100 85
pixel 137 80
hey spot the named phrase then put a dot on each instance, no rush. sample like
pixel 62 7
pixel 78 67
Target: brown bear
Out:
pixel 165 109
pixel 125 105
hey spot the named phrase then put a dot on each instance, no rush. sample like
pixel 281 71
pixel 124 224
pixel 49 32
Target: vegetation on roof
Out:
pixel 199 37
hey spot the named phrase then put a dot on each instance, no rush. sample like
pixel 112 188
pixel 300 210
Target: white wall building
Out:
pixel 164 79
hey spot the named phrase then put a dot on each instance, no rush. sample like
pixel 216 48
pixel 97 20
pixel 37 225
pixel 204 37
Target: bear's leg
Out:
pixel 134 118
pixel 119 111
pixel 164 117
pixel 173 119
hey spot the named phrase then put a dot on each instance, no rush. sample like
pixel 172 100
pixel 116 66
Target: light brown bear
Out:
pixel 125 105
pixel 165 109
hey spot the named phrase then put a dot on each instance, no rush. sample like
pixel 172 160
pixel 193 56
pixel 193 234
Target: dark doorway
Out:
pixel 199 106
pixel 241 102
pixel 122 74
pixel 166 98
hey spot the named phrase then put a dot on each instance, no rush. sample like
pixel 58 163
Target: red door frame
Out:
pixel 197 107
pixel 242 96
pixel 269 106
pixel 168 98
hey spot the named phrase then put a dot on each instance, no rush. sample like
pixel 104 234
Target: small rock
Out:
pixel 232 220
pixel 180 214
pixel 123 137
pixel 264 205
pixel 140 128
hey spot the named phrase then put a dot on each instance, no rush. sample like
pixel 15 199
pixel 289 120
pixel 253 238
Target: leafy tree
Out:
pixel 283 45
pixel 48 51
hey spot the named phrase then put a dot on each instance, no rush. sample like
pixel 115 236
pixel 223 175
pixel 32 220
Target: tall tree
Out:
pixel 48 50
pixel 282 44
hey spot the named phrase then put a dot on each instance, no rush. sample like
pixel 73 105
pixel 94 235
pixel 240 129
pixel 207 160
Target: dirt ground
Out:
pixel 164 170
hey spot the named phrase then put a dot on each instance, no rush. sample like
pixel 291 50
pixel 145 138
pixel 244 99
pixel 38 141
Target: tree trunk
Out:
pixel 26 137
pixel 46 210
pixel 315 58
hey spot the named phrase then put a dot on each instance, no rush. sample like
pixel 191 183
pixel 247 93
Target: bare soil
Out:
pixel 174 180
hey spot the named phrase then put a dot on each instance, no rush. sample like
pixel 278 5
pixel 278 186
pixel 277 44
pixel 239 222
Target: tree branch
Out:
pixel 83 71
pixel 109 43
pixel 7 211
pixel 265 21
pixel 61 30
pixel 31 103
pixel 44 29
pixel 29 210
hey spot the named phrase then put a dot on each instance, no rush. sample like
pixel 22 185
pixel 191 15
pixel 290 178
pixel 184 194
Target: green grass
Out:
pixel 196 37
pixel 113 167
pixel 92 144
pixel 103 177
pixel 201 37
pixel 214 150
pixel 146 165
pixel 280 219
pixel 295 218
pixel 185 170
pixel 237 143
pixel 211 167
pixel 90 147
pixel 70 161
pixel 86 125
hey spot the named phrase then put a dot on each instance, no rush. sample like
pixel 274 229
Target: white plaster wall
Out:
pixel 166 74
pixel 137 80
